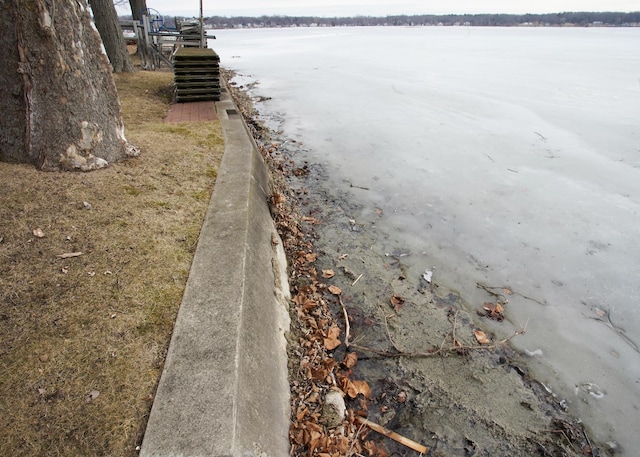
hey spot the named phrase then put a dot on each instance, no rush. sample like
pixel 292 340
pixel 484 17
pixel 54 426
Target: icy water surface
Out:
pixel 505 156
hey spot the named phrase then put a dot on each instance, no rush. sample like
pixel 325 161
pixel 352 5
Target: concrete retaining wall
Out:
pixel 224 389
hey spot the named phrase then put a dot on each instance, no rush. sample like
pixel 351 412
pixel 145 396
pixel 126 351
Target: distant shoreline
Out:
pixel 560 19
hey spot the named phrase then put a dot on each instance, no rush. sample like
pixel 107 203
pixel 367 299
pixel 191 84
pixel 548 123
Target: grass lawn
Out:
pixel 83 338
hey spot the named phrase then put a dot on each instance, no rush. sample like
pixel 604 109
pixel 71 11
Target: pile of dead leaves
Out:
pixel 318 427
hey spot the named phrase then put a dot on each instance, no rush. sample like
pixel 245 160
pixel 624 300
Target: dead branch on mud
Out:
pixel 442 350
pixel 490 290
pixel 346 322
pixel 393 435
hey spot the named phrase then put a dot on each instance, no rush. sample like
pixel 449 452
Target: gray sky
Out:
pixel 330 8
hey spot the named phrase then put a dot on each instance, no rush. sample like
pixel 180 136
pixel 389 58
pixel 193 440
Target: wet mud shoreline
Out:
pixel 406 352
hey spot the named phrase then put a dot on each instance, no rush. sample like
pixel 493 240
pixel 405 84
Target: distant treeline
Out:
pixel 583 19
pixel 580 19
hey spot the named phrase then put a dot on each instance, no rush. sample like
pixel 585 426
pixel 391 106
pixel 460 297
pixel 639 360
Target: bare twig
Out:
pixel 569 442
pixel 444 340
pixel 358 187
pixel 615 328
pixel 357 279
pixel 522 331
pixel 453 331
pixel 443 350
pixel 68 255
pixel 346 322
pixel 584 433
pixel 386 326
pixel 488 290
pixel 355 440
pixel 393 435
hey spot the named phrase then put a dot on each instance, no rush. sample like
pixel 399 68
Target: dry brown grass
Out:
pixel 100 322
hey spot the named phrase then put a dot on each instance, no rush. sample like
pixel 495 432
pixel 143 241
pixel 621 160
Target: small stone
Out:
pixel 44 358
pixel 333 410
pixel 87 205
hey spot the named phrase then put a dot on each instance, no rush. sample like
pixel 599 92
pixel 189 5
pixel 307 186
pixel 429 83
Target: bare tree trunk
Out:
pixel 137 7
pixel 106 20
pixel 60 108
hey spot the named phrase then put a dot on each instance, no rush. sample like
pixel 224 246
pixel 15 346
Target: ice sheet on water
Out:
pixel 509 156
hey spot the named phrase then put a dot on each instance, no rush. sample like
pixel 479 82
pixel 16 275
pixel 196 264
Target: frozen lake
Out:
pixel 507 156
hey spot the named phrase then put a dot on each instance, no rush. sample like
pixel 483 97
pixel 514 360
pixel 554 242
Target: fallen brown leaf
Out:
pixel 363 388
pixel 328 274
pixel 397 302
pixel 311 220
pixel 494 310
pixel 335 290
pixel 301 413
pixel 342 444
pixel 349 388
pixel 309 304
pixel 350 360
pixel 314 441
pixel 489 306
pixel 332 340
pixel 300 298
pixel 354 388
pixel 277 198
pixel 481 337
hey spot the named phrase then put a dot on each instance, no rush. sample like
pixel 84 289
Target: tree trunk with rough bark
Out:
pixel 137 7
pixel 60 108
pixel 106 20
